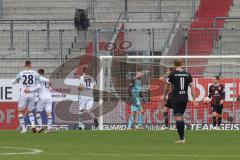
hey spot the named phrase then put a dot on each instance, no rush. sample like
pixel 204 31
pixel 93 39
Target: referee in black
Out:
pixel 179 80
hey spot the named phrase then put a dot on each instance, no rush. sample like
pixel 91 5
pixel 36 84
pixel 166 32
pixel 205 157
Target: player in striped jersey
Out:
pixel 45 101
pixel 86 100
pixel 27 79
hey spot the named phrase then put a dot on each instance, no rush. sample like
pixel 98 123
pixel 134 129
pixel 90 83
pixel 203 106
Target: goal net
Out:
pixel 117 71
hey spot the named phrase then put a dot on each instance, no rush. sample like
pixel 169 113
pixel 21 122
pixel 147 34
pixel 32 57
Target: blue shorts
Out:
pixel 136 106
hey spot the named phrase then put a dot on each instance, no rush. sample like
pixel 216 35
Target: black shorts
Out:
pixel 179 108
pixel 217 108
pixel 168 104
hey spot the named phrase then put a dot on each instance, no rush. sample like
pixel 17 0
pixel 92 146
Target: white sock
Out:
pixel 32 119
pixel 21 121
pixel 49 122
pixel 39 119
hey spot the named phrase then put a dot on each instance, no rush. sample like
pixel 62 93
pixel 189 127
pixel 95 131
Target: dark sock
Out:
pixel 180 129
pixel 219 121
pixel 165 115
pixel 214 121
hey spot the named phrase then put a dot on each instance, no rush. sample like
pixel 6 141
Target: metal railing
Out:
pixel 31 44
pixel 216 31
pixel 195 4
pixel 152 17
pixel 92 7
pixel 47 22
pixel 1 8
pixel 171 32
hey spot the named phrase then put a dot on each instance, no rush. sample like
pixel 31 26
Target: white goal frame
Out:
pixel 185 57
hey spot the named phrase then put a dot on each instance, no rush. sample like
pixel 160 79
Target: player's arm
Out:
pixel 45 80
pixel 17 79
pixel 95 87
pixel 209 92
pixel 33 89
pixel 170 81
pixel 81 86
pixel 166 91
pixel 222 95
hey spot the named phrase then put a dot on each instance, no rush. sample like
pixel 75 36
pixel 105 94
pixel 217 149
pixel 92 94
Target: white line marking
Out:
pixel 165 155
pixel 26 151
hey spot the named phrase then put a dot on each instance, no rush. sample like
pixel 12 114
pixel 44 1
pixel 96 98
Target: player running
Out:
pixel 217 96
pixel 86 100
pixel 179 80
pixel 45 101
pixel 168 103
pixel 27 80
pixel 136 98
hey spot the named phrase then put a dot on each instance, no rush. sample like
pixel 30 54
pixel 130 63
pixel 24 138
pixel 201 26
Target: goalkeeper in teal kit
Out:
pixel 136 99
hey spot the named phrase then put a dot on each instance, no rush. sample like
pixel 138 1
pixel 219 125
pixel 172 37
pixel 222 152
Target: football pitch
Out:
pixel 119 145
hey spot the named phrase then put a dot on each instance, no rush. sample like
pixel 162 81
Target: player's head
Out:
pixel 139 75
pixel 28 64
pixel 178 63
pixel 216 79
pixel 170 69
pixel 85 70
pixel 41 72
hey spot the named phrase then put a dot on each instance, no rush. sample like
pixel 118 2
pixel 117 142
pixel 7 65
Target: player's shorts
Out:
pixel 179 108
pixel 85 103
pixel 136 106
pixel 44 104
pixel 26 102
pixel 168 104
pixel 217 108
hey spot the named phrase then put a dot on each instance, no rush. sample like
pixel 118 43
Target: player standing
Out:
pixel 217 96
pixel 86 100
pixel 180 80
pixel 27 80
pixel 136 98
pixel 45 101
pixel 168 103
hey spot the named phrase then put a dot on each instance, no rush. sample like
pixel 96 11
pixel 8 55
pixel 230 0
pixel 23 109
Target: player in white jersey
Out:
pixel 86 100
pixel 45 101
pixel 27 79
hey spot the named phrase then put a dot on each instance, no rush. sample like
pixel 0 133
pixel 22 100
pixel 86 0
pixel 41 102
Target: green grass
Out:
pixel 122 145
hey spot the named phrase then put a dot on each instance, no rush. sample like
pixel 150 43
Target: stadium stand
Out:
pixel 229 44
pixel 200 41
pixel 105 11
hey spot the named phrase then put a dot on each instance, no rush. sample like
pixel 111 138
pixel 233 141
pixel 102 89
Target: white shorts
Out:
pixel 44 104
pixel 26 102
pixel 85 103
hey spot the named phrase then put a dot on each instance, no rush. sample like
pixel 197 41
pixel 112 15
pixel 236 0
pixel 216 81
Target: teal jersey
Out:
pixel 136 89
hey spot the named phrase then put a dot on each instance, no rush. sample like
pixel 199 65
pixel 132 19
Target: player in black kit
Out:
pixel 179 80
pixel 168 103
pixel 217 95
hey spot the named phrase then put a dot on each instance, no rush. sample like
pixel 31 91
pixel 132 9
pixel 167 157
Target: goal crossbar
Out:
pixel 174 57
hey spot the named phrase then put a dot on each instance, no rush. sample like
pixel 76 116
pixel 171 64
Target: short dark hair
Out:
pixel 85 69
pixel 171 69
pixel 28 63
pixel 217 77
pixel 41 71
pixel 178 63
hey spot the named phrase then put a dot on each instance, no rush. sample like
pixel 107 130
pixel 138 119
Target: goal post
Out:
pixel 116 72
